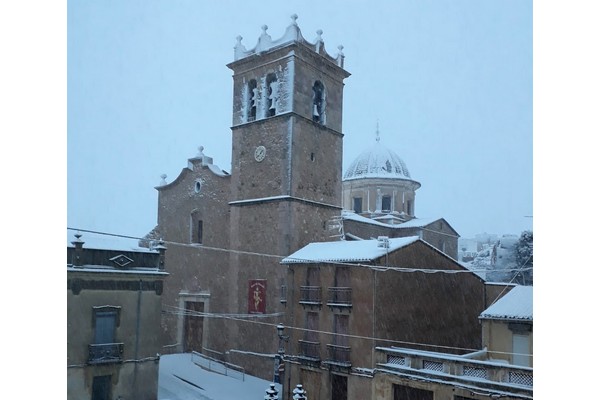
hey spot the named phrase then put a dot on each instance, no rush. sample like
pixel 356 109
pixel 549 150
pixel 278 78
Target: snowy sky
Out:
pixel 450 83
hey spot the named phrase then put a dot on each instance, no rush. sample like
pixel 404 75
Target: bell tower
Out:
pixel 286 141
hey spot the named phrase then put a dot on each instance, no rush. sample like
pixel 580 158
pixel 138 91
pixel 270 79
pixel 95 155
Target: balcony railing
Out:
pixel 339 297
pixel 339 355
pixel 454 368
pixel 310 295
pixel 105 353
pixel 310 350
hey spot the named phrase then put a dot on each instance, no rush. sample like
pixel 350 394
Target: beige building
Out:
pixel 113 321
pixel 507 327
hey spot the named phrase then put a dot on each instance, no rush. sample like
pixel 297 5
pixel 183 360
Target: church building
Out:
pixel 228 231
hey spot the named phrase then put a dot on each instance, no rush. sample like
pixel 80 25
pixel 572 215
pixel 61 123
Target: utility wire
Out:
pixel 234 317
pixel 241 317
pixel 307 261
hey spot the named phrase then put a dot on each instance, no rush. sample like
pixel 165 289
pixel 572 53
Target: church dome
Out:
pixel 377 162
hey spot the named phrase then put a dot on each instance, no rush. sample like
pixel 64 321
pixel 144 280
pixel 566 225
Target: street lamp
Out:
pixel 271 393
pixel 279 365
pixel 299 393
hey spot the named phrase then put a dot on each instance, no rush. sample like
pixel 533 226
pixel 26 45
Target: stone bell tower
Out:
pixel 286 174
pixel 287 141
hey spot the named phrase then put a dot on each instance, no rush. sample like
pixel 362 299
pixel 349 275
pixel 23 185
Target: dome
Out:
pixel 377 162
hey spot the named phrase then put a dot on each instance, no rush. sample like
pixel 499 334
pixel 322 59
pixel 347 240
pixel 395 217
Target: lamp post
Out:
pixel 299 393
pixel 279 359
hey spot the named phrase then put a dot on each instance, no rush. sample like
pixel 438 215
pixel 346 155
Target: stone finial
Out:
pixel 200 151
pixel 340 56
pixel 319 33
pixel 163 180
pixel 264 29
pixel 161 250
pixel 294 17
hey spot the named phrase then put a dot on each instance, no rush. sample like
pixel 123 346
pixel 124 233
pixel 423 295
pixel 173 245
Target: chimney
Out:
pixel 78 253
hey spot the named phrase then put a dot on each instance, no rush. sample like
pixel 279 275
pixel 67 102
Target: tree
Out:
pixel 524 257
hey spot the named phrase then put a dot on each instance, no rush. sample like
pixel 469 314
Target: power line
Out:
pixel 307 261
pixel 234 317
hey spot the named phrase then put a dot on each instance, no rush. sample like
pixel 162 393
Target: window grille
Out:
pixel 432 365
pixel 476 372
pixel 520 378
pixel 396 360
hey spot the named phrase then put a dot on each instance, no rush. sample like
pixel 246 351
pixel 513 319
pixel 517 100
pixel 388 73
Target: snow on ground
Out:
pixel 181 378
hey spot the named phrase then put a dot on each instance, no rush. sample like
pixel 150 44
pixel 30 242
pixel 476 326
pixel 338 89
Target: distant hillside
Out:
pixel 493 258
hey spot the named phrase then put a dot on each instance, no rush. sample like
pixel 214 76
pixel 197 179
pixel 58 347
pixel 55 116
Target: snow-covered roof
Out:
pixel 413 223
pixel 378 162
pixel 516 304
pixel 346 251
pixel 292 35
pixel 106 242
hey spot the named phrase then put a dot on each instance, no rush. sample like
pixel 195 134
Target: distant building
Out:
pixel 113 321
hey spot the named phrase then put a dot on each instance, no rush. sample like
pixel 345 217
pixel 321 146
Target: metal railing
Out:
pixel 311 350
pixel 220 367
pixel 338 354
pixel 105 353
pixel 310 295
pixel 339 296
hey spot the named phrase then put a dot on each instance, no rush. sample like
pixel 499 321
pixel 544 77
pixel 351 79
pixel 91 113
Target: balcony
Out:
pixel 488 375
pixel 339 297
pixel 310 295
pixel 338 355
pixel 310 351
pixel 105 353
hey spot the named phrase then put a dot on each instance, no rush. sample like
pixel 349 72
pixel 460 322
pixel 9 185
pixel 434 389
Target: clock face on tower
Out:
pixel 260 153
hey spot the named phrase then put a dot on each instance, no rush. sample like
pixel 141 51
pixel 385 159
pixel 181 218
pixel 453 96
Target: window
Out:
pixel 197 228
pixel 341 330
pixel 252 99
pixel 521 350
pixel 339 387
pixel 105 321
pixel 318 109
pixel 386 203
pixel 409 393
pixel 272 94
pixel 409 207
pixel 357 204
pixel 104 349
pixel 101 387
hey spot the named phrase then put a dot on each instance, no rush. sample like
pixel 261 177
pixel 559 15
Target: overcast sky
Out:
pixel 450 83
